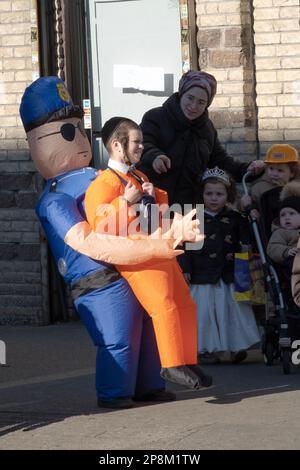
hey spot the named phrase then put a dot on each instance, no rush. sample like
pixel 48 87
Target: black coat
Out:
pixel 192 147
pixel 224 235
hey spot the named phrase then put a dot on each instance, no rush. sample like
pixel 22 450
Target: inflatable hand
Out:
pixel 184 229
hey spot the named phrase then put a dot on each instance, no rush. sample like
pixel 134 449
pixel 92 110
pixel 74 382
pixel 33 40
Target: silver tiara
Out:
pixel 216 173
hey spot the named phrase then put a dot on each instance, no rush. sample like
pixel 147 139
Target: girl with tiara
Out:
pixel 223 323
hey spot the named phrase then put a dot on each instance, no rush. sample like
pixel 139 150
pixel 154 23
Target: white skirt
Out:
pixel 223 323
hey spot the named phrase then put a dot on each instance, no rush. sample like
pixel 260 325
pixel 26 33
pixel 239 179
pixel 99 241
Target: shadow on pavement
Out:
pixel 51 378
pixel 234 383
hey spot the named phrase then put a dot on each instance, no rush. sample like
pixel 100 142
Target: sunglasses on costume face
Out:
pixel 67 131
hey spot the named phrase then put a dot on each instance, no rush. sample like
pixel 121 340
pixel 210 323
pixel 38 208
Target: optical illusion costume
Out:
pixel 127 362
pixel 159 285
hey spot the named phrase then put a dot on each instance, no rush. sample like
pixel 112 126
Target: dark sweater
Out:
pixel 192 146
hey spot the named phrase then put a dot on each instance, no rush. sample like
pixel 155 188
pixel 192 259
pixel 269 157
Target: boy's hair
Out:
pixel 295 169
pixel 230 188
pixel 118 128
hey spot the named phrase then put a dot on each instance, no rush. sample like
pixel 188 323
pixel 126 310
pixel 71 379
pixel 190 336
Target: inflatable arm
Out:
pixel 62 220
pixel 114 249
pixel 118 250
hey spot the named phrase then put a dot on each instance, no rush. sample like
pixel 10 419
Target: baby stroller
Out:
pixel 283 326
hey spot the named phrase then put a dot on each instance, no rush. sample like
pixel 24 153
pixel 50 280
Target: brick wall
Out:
pixel 277 46
pixel 255 56
pixel 225 49
pixel 23 289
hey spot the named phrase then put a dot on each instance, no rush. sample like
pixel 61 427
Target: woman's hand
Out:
pixel 148 188
pixel 257 167
pixel 161 164
pixel 131 193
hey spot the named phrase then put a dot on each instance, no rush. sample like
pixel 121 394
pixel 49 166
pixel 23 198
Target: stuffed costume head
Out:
pixel 56 137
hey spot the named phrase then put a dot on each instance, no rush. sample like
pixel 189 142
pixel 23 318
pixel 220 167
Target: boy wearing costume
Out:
pixel 127 363
pixel 159 285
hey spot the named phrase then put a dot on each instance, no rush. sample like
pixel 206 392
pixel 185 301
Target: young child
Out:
pixel 223 323
pixel 158 285
pixel 282 246
pixel 282 166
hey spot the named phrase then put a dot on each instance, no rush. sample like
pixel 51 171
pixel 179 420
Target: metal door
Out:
pixel 135 59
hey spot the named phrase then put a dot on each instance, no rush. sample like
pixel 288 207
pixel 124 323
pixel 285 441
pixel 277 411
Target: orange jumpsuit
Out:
pixel 158 284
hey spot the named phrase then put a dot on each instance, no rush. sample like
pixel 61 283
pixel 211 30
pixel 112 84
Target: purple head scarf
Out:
pixel 203 80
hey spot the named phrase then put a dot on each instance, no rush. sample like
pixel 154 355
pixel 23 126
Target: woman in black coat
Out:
pixel 180 141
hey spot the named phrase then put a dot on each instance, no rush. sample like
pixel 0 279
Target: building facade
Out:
pixel 252 47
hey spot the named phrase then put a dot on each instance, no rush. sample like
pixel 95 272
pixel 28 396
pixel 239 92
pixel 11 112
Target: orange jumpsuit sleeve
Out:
pixel 105 206
pixel 161 196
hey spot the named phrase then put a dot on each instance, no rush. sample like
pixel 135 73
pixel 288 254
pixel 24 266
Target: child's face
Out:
pixel 279 173
pixel 289 218
pixel 214 196
pixel 135 145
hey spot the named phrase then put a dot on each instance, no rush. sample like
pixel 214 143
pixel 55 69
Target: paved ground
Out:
pixel 47 401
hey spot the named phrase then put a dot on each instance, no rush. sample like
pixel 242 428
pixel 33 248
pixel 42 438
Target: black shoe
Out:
pixel 118 403
pixel 156 395
pixel 239 356
pixel 205 379
pixel 181 375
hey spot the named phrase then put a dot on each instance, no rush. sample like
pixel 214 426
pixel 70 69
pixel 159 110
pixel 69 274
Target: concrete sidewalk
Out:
pixel 48 401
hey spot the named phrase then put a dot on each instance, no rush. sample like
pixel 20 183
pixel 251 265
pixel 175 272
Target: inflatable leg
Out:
pixel 187 314
pixel 163 292
pixel 114 320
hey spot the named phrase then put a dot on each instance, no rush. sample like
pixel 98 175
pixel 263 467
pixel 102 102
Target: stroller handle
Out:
pixel 244 182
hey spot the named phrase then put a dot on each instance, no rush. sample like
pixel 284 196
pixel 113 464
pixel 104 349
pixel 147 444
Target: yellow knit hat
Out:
pixel 282 153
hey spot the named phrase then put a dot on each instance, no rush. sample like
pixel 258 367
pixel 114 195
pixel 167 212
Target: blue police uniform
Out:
pixel 127 362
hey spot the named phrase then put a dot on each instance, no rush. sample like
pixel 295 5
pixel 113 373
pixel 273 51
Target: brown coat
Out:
pixel 296 277
pixel 259 187
pixel 281 242
pixel 262 185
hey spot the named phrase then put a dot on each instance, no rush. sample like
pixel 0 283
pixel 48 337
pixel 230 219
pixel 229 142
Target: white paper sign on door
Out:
pixel 140 78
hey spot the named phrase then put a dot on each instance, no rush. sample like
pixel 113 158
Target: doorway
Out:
pixel 137 51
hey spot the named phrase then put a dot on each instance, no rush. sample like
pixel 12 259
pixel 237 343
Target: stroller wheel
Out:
pixel 269 354
pixel 286 361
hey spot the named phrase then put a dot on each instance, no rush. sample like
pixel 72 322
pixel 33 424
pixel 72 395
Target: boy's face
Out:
pixel 279 173
pixel 135 145
pixel 289 218
pixel 214 196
